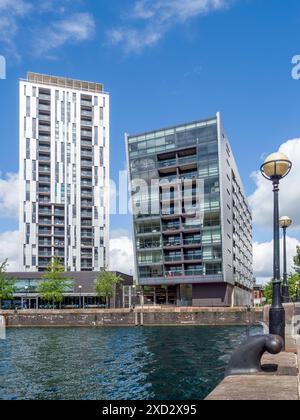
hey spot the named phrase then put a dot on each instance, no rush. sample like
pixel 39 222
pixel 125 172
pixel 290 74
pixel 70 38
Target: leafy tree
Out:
pixel 105 285
pixel 268 292
pixel 297 261
pixel 268 289
pixel 7 286
pixel 55 285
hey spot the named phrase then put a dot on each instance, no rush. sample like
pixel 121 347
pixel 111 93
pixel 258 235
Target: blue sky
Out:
pixel 164 62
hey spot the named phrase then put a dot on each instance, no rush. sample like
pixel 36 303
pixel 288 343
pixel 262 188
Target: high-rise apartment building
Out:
pixel 193 231
pixel 64 173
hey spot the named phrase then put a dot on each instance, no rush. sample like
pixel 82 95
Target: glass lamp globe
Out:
pixel 276 165
pixel 285 222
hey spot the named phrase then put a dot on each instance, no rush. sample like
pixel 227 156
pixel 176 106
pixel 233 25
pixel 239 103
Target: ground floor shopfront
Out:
pixel 198 295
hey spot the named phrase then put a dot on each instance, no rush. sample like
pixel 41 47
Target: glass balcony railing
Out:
pixel 86 123
pixel 44 117
pixel 193 272
pixel 44 128
pixel 44 190
pixel 187 159
pixel 170 258
pixel 193 257
pixel 85 102
pixel 44 97
pixel 86 134
pixel 172 243
pixel 196 241
pixel 174 273
pixel 166 163
pixel 85 113
pixel 86 143
pixel 86 163
pixel 44 158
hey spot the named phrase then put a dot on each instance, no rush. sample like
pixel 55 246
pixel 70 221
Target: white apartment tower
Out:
pixel 64 173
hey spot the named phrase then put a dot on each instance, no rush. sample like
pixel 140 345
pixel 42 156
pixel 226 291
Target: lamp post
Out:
pixel 80 293
pixel 275 168
pixel 297 292
pixel 285 222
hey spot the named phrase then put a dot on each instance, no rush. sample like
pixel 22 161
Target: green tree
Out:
pixel 297 261
pixel 7 285
pixel 268 289
pixel 55 285
pixel 105 285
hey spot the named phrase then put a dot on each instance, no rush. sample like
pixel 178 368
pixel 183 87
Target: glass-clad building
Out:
pixel 191 220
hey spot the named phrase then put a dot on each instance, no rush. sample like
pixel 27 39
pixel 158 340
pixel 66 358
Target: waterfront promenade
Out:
pixel 284 384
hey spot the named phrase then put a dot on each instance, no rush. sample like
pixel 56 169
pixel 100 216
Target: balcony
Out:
pixel 45 254
pixel 86 174
pixel 174 244
pixel 86 234
pixel 44 138
pixel 86 113
pixel 45 232
pixel 44 169
pixel 45 221
pixel 45 149
pixel 44 129
pixel 86 223
pixel 192 257
pixel 190 273
pixel 87 214
pixel 87 133
pixel 86 203
pixel 44 97
pixel 86 123
pixel 59 222
pixel 86 102
pixel 60 213
pixel 59 253
pixel 44 117
pixel 44 180
pixel 86 143
pixel 88 255
pixel 172 258
pixel 44 190
pixel 87 154
pixel 45 243
pixel 59 232
pixel 44 107
pixel 170 227
pixel 87 193
pixel 86 163
pixel 174 273
pixel 44 158
pixel 59 244
pixel 192 241
pixel 166 163
pixel 87 243
pixel 85 183
pixel 44 200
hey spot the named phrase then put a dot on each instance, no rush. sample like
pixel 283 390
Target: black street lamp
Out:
pixel 276 167
pixel 285 222
pixel 297 292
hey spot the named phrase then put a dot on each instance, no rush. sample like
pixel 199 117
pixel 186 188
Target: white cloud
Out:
pixel 152 19
pixel 9 249
pixel 263 257
pixel 261 201
pixel 9 196
pixel 121 252
pixel 76 28
pixel 15 7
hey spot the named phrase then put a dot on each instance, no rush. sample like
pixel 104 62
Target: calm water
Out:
pixel 117 363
